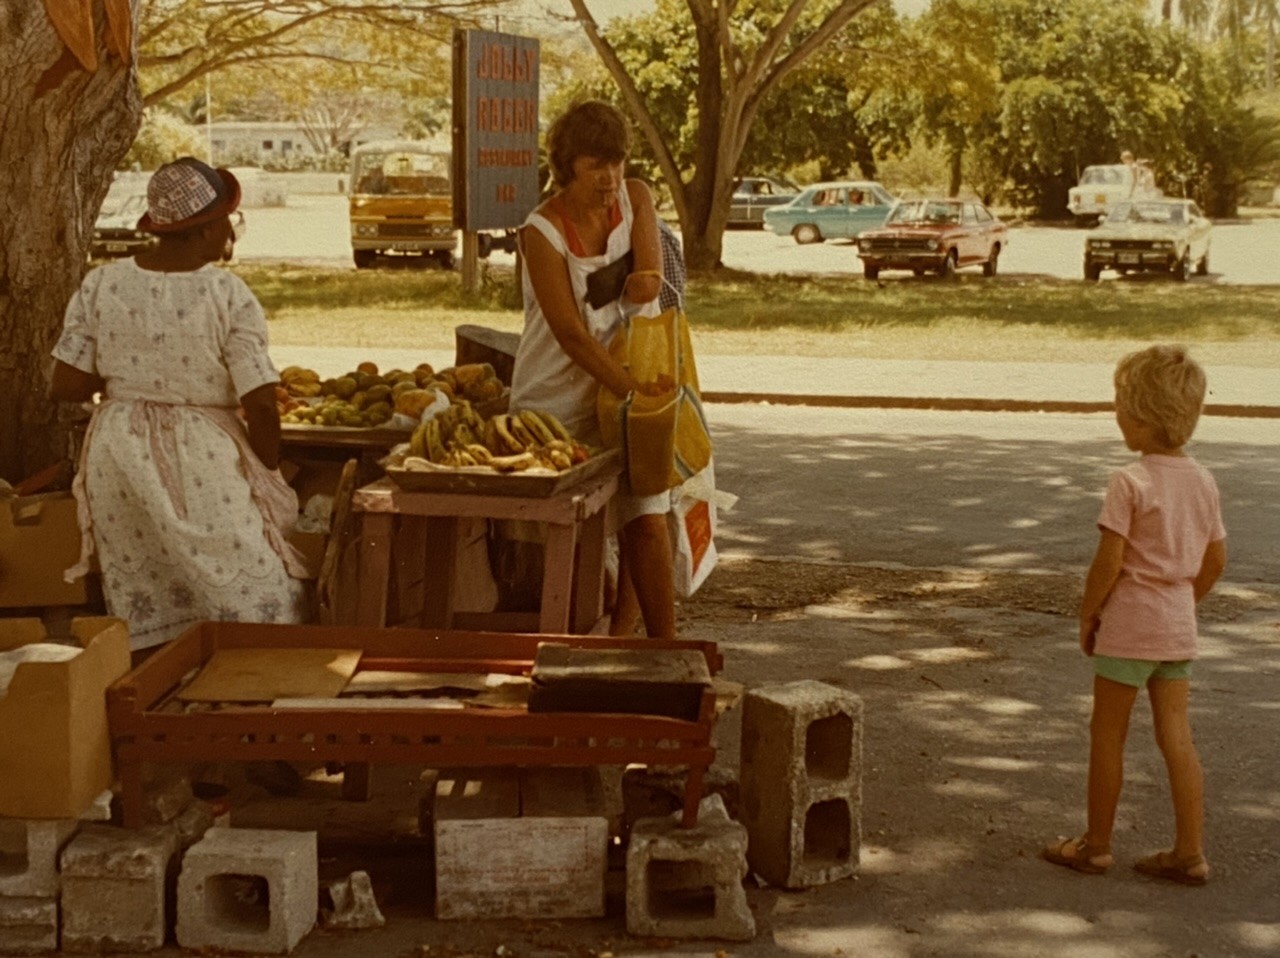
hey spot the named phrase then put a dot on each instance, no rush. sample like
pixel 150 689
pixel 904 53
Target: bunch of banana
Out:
pixel 535 432
pixel 427 442
pixel 299 381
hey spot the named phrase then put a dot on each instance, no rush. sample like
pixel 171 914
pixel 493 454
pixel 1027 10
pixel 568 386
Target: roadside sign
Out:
pixel 495 129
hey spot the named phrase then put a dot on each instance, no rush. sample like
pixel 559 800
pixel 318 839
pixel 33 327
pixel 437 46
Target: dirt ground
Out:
pixel 976 709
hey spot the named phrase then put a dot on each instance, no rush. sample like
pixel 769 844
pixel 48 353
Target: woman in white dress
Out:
pixel 180 497
pixel 593 220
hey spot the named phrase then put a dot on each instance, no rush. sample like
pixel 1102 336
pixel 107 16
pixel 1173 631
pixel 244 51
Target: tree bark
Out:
pixel 57 153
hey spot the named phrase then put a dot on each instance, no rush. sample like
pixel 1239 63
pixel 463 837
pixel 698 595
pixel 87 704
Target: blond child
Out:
pixel 1161 550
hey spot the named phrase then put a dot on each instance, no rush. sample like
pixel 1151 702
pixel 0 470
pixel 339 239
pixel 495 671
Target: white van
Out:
pixel 1101 187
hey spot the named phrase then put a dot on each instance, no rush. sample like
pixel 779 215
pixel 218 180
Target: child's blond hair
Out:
pixel 1164 388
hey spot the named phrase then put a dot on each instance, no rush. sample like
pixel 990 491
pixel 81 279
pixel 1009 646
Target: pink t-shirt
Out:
pixel 1167 509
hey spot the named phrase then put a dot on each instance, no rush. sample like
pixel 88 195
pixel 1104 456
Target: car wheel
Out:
pixel 1092 271
pixel 870 271
pixel 1202 267
pixel 364 258
pixel 443 260
pixel 948 268
pixel 992 263
pixel 918 271
pixel 1182 268
pixel 806 233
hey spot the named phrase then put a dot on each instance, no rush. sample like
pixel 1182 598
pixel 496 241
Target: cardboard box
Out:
pixel 39 541
pixel 55 751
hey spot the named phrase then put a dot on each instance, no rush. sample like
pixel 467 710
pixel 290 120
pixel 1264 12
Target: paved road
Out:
pixel 313 229
pixel 995 491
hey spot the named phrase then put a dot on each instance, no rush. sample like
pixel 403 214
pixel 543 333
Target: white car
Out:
pixel 1150 236
pixel 1101 187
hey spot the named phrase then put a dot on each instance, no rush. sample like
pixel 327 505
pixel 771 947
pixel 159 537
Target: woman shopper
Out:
pixel 589 225
pixel 179 496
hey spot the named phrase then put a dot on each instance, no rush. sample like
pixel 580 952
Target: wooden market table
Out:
pixel 572 598
pixel 149 723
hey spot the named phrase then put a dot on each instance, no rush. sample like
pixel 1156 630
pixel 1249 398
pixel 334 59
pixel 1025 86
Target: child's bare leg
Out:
pixel 1112 704
pixel 1186 778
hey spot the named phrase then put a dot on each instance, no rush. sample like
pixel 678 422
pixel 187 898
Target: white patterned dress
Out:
pixel 187 523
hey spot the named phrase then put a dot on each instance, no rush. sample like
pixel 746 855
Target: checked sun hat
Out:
pixel 188 193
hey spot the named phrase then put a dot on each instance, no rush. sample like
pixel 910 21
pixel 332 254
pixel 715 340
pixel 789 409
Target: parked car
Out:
pixel 1160 236
pixel 938 235
pixel 115 232
pixel 752 195
pixel 1101 187
pixel 831 211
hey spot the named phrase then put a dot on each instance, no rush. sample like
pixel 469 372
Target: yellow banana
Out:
pixel 533 422
pixel 521 432
pixel 555 425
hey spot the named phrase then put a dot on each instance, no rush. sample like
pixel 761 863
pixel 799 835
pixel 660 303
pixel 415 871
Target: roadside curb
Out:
pixel 943 404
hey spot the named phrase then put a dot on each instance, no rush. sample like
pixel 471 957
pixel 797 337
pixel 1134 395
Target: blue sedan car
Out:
pixel 831 211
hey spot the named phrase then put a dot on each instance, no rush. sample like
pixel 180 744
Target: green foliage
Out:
pixel 163 137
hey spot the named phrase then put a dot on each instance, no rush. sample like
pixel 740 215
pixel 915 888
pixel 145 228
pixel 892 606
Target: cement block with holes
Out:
pixel 29 855
pixel 28 926
pixel 113 888
pixel 687 882
pixel 248 890
pixel 494 862
pixel 802 782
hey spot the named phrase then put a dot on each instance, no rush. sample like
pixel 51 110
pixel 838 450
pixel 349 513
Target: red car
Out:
pixel 936 236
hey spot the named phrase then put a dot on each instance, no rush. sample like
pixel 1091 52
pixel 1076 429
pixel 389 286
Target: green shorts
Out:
pixel 1137 672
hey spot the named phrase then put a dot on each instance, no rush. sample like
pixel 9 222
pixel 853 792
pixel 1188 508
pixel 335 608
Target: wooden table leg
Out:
pixel 356 784
pixel 375 568
pixel 131 793
pixel 409 566
pixel 692 795
pixel 441 546
pixel 557 579
pixel 588 578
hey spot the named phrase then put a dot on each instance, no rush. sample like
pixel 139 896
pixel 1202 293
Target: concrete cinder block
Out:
pixel 248 890
pixel 802 782
pixel 687 882
pixel 28 926
pixel 113 889
pixel 29 855
pixel 493 862
pixel 354 904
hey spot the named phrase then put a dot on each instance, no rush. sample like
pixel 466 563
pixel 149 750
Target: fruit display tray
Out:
pixel 534 483
pixel 146 724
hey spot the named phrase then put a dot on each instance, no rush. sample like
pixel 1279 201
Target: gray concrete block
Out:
pixel 491 862
pixel 248 890
pixel 802 782
pixel 354 904
pixel 113 889
pixel 687 882
pixel 28 926
pixel 29 855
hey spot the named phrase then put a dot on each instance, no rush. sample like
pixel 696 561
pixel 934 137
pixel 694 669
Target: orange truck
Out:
pixel 401 203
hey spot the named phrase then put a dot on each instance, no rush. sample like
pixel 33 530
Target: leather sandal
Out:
pixel 1170 867
pixel 1078 855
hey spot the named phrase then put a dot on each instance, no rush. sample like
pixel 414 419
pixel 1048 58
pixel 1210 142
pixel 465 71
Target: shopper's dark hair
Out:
pixel 591 128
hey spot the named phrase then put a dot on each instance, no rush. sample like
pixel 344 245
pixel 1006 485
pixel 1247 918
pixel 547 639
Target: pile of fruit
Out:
pixel 460 437
pixel 366 398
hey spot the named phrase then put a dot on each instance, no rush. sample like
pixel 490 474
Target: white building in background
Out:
pixel 269 143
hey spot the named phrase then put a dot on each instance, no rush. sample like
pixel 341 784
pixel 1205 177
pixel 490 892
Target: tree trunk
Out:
pixel 57 153
pixel 955 163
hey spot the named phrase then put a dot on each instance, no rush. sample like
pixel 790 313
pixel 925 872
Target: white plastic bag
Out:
pixel 693 519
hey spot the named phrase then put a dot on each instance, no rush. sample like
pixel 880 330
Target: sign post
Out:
pixel 495 136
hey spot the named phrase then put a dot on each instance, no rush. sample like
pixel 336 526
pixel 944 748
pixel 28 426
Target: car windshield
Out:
pixel 925 211
pixel 1147 213
pixel 122 204
pixel 400 173
pixel 1102 176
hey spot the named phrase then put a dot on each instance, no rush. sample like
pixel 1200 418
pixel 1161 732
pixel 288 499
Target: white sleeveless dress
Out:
pixel 546 378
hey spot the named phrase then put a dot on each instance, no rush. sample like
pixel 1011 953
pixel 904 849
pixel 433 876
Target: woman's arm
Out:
pixel 263 422
pixel 550 276
pixel 74 385
pixel 1103 572
pixel 645 283
pixel 1211 567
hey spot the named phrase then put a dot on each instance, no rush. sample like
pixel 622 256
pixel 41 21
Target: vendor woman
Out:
pixel 594 218
pixel 179 495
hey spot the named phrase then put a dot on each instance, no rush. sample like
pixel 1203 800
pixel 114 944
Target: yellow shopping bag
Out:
pixel 663 438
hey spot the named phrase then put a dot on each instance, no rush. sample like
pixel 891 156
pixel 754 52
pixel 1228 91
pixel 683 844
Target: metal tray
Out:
pixel 482 481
